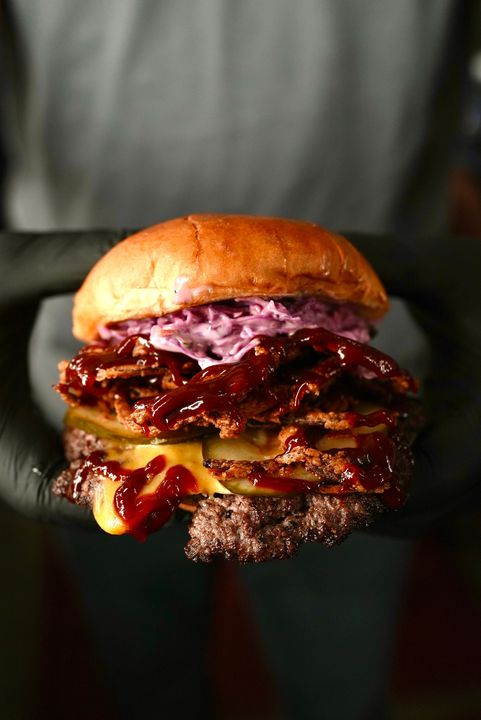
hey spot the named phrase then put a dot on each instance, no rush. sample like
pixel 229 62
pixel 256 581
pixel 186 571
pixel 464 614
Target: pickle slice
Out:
pixel 245 487
pixel 255 444
pixel 93 421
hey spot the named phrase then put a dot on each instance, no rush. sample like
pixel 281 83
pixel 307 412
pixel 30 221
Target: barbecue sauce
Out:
pixel 371 463
pixel 141 513
pixel 282 485
pixel 220 388
pixel 377 417
pixel 81 372
pixel 296 440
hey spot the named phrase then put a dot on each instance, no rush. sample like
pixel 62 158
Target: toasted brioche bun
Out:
pixel 206 258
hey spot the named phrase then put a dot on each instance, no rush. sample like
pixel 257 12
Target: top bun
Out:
pixel 204 258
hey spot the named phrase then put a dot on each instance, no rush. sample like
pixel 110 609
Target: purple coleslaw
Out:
pixel 223 332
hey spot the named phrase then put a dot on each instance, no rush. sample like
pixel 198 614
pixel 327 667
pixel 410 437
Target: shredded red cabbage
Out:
pixel 224 332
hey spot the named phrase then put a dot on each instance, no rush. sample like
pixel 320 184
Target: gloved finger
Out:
pixel 42 264
pixel 447 468
pixel 392 259
pixel 447 453
pixel 439 278
pixel 30 449
pixel 437 273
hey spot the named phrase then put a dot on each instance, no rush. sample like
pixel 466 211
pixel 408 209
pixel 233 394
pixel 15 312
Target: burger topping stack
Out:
pixel 270 419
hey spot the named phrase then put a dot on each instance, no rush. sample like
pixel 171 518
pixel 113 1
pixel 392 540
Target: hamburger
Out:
pixel 227 376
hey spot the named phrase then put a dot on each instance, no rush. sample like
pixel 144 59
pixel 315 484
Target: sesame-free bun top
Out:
pixel 205 258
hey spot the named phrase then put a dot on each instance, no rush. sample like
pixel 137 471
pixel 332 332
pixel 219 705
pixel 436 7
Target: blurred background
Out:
pixel 56 588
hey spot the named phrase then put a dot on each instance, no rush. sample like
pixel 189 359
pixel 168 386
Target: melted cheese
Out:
pixel 131 457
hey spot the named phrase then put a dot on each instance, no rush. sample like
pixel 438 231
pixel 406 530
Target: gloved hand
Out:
pixel 440 279
pixel 35 266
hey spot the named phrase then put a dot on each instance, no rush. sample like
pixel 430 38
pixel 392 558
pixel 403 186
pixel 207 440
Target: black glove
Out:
pixel 440 279
pixel 35 266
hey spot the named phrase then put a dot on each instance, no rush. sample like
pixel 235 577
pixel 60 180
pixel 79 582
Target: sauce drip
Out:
pixel 296 440
pixel 378 417
pixel 81 372
pixel 218 388
pixel 371 465
pixel 282 485
pixel 142 514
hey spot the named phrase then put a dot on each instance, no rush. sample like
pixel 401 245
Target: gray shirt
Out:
pixel 134 110
pixel 338 111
